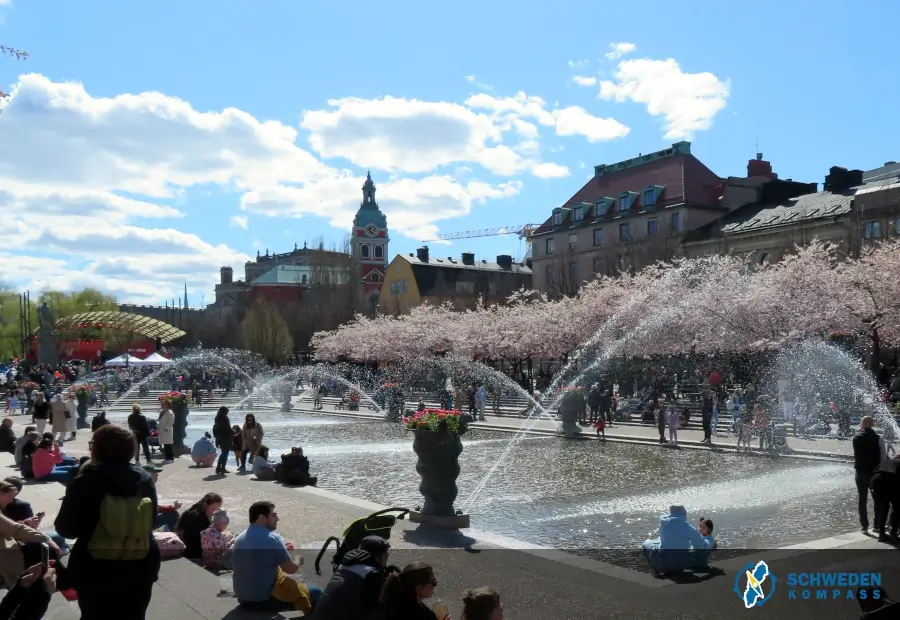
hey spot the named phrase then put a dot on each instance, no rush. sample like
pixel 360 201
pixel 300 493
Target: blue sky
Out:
pixel 146 144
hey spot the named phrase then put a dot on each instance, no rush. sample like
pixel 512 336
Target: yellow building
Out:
pixel 418 278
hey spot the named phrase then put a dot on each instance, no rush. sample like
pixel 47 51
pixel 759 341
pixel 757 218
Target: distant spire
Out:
pixel 185 295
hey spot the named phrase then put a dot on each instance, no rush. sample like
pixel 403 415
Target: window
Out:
pixel 403 287
pixel 873 230
pixel 652 226
pixel 557 217
pixel 624 203
pixel 394 288
pixel 599 266
pixel 465 287
pixel 549 246
pixel 376 277
pixel 573 272
pixel 303 279
pixel 379 251
pixel 676 222
pixel 573 241
pixel 578 214
pixel 598 236
pixel 364 250
pixel 601 207
pixel 624 231
pixel 649 197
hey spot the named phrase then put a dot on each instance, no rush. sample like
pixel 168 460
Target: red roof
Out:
pixel 685 179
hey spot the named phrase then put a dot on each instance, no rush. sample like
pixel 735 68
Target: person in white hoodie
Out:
pixel 165 429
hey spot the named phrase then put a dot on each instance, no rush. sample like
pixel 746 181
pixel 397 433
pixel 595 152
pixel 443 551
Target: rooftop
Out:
pixel 669 178
pixel 457 263
pixel 809 207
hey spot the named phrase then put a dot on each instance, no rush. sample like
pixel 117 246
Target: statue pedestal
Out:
pixel 455 522
pixel 47 353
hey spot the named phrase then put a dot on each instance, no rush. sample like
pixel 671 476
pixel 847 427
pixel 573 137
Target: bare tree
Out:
pixel 266 332
pixel 16 54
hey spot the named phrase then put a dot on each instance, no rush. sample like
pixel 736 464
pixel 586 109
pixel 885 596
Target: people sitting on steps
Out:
pixel 217 542
pixel 263 468
pixel 263 564
pixel 680 545
pixel 294 469
pixel 193 521
pixel 356 586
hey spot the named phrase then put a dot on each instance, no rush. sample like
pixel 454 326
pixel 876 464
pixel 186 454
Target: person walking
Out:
pixel 58 418
pixel 222 433
pixel 672 418
pixel 140 429
pixel 867 455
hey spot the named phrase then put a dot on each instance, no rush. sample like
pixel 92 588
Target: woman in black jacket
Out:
pixel 223 435
pixel 193 521
pixel 40 411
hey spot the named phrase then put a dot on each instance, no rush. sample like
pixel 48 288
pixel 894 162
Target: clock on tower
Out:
pixel 371 230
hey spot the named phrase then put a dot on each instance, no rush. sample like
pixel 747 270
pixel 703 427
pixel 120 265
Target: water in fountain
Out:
pixel 821 373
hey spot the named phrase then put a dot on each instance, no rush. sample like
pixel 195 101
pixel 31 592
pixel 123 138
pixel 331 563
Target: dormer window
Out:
pixel 578 214
pixel 601 207
pixel 624 203
pixel 649 197
pixel 557 217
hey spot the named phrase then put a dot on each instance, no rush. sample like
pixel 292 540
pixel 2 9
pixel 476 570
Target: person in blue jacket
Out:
pixel 680 545
pixel 204 451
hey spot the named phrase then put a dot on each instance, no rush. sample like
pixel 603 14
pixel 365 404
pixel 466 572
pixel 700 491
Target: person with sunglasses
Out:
pixel 405 594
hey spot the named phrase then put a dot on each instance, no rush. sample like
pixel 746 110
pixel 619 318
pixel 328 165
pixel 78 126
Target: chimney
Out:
pixel 422 253
pixel 760 168
pixel 840 179
pixel 468 258
pixel 505 261
pixel 227 275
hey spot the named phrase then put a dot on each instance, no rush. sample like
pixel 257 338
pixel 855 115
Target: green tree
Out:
pixel 61 304
pixel 266 332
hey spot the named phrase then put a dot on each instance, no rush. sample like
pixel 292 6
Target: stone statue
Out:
pixel 45 317
pixel 47 353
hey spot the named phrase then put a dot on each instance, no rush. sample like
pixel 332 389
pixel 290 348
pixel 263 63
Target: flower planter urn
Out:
pixel 438 465
pixel 180 409
pixel 82 409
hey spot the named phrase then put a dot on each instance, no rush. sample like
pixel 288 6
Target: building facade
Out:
pixel 629 214
pixel 465 282
pixel 848 212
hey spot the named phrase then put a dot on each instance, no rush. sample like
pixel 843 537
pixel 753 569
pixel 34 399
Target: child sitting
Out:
pixel 706 530
pixel 216 542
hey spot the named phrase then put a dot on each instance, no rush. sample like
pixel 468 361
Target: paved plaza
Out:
pixel 534 582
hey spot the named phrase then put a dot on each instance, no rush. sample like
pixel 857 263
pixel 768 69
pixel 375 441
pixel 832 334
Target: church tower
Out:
pixel 369 244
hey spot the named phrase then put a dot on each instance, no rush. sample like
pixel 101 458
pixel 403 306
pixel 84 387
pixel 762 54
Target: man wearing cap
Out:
pixel 355 588
pixel 167 514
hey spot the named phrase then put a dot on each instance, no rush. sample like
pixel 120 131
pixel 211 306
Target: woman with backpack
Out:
pixel 113 574
pixel 222 433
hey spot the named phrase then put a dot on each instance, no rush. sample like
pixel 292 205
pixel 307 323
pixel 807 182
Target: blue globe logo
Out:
pixel 754 584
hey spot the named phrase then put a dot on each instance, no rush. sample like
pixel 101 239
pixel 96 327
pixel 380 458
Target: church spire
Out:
pixel 368 189
pixel 185 295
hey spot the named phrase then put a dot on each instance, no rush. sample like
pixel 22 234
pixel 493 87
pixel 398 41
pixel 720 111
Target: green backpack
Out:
pixel 123 531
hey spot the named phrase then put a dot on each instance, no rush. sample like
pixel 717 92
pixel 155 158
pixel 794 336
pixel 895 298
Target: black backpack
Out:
pixel 376 524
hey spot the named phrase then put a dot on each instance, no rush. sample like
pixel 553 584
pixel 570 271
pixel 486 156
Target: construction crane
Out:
pixel 524 231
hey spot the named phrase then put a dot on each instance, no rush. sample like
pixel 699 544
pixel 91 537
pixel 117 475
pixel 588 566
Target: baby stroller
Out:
pixel 154 436
pixel 376 524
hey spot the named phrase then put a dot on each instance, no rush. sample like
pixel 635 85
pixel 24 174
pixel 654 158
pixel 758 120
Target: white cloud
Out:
pixel 585 80
pixel 240 221
pixel 687 101
pixel 575 121
pixel 617 50
pixel 413 136
pixel 577 64
pixel 570 121
pixel 470 78
pixel 89 173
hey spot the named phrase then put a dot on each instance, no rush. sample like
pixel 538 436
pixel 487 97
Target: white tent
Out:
pixel 155 359
pixel 124 360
